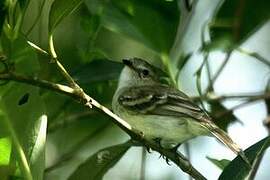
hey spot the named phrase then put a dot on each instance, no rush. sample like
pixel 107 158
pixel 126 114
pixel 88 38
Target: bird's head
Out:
pixel 138 72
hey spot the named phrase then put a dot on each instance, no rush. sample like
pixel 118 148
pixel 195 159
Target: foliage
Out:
pixel 90 37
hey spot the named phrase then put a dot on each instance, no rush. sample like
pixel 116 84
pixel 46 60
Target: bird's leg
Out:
pixel 148 149
pixel 175 148
pixel 158 141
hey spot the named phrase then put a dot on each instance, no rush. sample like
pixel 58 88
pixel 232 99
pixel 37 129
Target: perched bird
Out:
pixel 160 111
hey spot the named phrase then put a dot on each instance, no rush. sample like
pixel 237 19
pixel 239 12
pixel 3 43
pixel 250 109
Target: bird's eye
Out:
pixel 145 72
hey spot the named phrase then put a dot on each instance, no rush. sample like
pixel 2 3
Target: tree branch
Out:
pixel 76 92
pixel 85 99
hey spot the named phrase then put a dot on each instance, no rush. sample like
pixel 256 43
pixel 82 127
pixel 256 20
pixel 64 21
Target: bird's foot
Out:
pixel 148 149
pixel 175 148
pixel 158 141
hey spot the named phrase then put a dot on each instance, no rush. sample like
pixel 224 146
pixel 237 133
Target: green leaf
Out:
pixel 97 71
pixel 27 126
pixel 59 10
pixel 24 115
pixel 100 162
pixel 3 13
pixel 7 171
pixel 219 163
pixel 20 56
pixel 90 23
pixel 23 3
pixel 222 116
pixel 236 20
pixel 78 130
pixel 238 169
pixel 15 11
pixel 5 150
pixel 152 22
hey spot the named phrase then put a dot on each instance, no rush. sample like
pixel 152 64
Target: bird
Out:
pixel 161 111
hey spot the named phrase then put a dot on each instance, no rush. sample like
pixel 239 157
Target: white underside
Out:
pixel 171 130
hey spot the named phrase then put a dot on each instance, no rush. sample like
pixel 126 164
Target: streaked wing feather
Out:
pixel 160 100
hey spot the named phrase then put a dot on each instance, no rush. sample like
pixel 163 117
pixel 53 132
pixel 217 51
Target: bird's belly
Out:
pixel 170 130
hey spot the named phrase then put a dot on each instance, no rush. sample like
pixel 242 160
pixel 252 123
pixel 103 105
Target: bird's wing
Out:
pixel 159 100
pixel 166 101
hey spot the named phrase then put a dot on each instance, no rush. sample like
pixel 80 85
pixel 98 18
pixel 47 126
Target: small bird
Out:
pixel 160 111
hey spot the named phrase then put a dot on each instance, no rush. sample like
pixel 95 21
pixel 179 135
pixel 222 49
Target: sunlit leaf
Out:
pixel 59 10
pixel 238 169
pixel 5 150
pixel 100 162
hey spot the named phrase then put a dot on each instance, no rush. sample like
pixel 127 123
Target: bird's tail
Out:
pixel 226 140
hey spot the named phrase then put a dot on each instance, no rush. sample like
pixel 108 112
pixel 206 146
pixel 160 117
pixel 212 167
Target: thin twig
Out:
pixel 60 67
pixel 210 97
pixel 38 49
pixel 143 164
pixel 187 150
pixel 198 78
pixel 219 71
pixel 250 101
pixel 254 55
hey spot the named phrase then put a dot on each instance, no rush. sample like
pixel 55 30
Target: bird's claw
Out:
pixel 167 161
pixel 148 149
pixel 158 141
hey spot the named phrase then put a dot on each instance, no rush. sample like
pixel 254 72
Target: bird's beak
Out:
pixel 127 62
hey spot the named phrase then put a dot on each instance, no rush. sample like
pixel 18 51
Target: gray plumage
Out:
pixel 160 111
